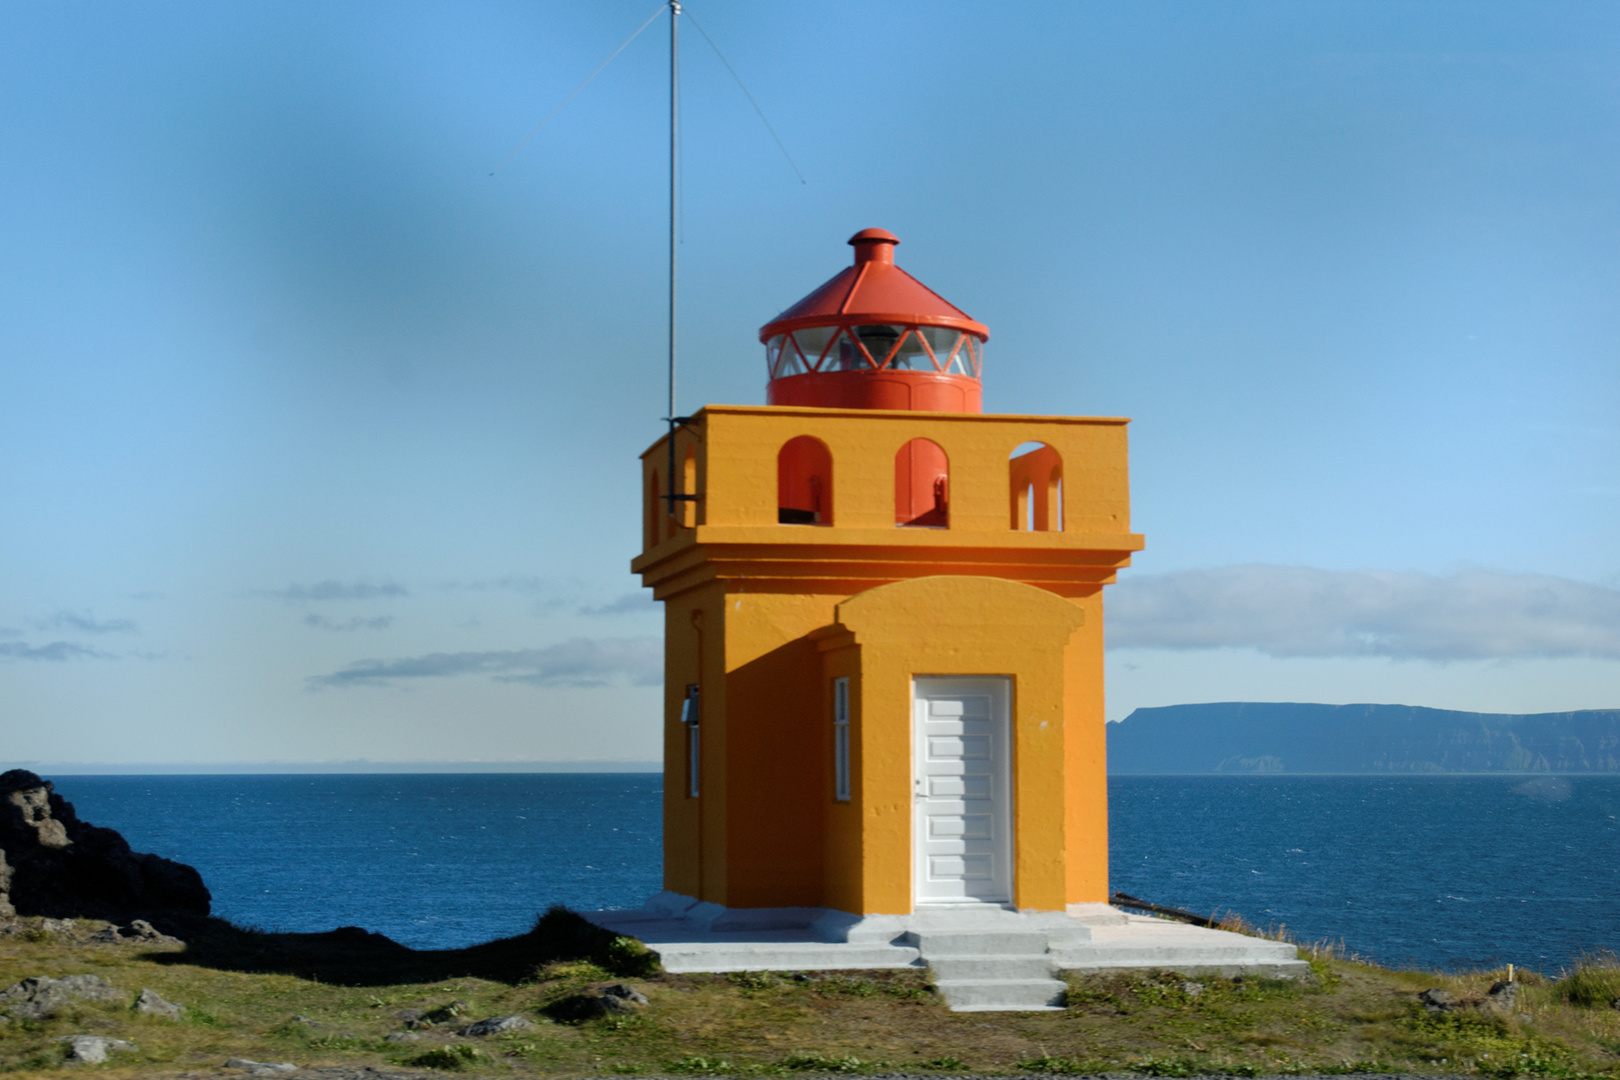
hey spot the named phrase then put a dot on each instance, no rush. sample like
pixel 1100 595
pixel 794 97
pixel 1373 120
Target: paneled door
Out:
pixel 962 790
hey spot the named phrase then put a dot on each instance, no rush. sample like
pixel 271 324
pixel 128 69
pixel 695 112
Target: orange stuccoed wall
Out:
pixel 765 605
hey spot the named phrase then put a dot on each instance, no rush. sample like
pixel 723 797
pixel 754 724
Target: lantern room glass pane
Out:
pixel 813 342
pixel 945 342
pixel 782 359
pixel 846 355
pixel 879 340
pixel 911 356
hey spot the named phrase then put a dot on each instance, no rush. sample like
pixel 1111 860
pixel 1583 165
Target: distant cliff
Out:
pixel 1248 737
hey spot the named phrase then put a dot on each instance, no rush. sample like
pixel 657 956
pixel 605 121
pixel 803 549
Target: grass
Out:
pixel 333 1000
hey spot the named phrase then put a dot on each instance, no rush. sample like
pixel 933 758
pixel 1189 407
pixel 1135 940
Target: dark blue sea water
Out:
pixel 433 861
pixel 1439 872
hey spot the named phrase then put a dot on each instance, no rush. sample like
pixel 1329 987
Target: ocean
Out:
pixel 1438 872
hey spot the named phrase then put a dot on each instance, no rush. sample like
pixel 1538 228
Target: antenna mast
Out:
pixel 674 166
pixel 672 498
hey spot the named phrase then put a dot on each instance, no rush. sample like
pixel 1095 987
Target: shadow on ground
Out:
pixel 351 956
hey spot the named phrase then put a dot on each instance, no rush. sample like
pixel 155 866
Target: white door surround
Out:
pixel 962 837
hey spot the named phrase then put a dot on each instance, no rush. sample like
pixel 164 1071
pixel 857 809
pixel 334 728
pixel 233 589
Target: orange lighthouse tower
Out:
pixel 883 621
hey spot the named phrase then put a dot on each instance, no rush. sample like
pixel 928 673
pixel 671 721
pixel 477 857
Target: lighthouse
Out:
pixel 883 669
pixel 884 621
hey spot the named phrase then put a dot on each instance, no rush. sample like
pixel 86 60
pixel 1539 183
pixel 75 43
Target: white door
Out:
pixel 962 801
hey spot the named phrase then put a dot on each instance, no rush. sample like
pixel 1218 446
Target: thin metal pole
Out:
pixel 674 162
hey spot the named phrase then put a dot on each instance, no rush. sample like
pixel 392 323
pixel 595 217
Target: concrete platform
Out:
pixel 984 957
pixel 1142 941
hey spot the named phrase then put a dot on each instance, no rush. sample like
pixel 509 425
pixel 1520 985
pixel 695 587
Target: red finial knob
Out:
pixel 874 245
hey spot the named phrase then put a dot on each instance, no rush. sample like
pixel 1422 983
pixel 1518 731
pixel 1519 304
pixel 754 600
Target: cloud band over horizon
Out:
pixel 1287 612
pixel 574 663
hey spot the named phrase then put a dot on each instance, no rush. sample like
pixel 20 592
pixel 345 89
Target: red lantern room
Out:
pixel 874 337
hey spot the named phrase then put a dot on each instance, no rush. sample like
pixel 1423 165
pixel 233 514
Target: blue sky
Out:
pixel 320 442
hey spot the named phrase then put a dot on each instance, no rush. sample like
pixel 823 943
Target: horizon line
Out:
pixel 307 768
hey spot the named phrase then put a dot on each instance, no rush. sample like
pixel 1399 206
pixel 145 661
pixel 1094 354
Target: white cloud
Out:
pixel 1303 612
pixel 579 662
pixel 85 624
pixel 321 622
pixel 56 651
pixel 339 590
pixel 639 602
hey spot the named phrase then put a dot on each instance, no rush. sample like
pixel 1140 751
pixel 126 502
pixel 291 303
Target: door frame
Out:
pixel 1003 809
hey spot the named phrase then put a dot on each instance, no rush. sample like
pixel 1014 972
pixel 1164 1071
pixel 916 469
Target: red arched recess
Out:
pixel 804 482
pixel 922 485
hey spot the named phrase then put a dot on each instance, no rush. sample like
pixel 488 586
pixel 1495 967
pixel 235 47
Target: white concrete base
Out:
pixel 1142 941
pixel 983 956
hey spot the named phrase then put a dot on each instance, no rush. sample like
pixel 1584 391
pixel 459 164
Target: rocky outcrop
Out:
pixel 42 996
pixel 93 1049
pixel 1501 1001
pixel 498 1025
pixel 55 865
pixel 577 1008
pixel 151 1003
pixel 261 1068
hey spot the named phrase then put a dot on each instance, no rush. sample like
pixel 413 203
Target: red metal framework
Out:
pixel 861 348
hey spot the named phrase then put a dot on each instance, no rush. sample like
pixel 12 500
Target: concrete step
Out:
pixel 980 942
pixel 991 966
pixel 1002 995
pixel 780 956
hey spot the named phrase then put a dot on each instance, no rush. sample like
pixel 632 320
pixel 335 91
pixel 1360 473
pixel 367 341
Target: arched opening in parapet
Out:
pixel 804 482
pixel 922 485
pixel 1035 488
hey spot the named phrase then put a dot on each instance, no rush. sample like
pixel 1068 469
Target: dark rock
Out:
pixel 498 1025
pixel 61 867
pixel 107 936
pixel 144 932
pixel 624 992
pixel 41 996
pixel 92 1049
pixel 1498 1001
pixel 359 935
pixel 576 1008
pixel 442 1015
pixel 1439 1001
pixel 408 1014
pixel 1501 998
pixel 150 1003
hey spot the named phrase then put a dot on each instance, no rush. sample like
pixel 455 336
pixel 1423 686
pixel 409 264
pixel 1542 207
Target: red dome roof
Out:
pixel 874 290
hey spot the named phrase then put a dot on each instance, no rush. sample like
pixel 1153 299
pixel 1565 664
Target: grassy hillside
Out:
pixel 334 1000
